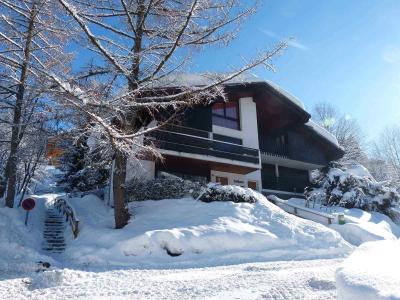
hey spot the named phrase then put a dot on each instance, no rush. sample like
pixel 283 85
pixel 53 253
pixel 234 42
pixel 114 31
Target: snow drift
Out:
pixel 361 226
pixel 186 233
pixel 371 272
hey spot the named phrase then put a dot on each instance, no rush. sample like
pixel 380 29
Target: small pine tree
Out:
pixel 80 173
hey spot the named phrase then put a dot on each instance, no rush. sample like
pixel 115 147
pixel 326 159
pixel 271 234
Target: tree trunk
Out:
pixel 11 167
pixel 121 213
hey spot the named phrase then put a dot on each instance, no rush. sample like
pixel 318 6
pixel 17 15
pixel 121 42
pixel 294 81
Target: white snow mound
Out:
pixel 372 271
pixel 186 232
pixel 20 245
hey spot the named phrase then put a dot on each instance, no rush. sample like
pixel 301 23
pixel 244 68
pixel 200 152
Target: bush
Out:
pixel 82 172
pixel 351 186
pixel 217 192
pixel 166 186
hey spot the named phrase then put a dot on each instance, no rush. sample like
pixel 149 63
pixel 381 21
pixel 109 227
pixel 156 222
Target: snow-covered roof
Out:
pixel 202 79
pixel 323 133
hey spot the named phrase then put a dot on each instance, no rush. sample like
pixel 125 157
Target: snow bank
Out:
pixel 361 226
pixel 186 233
pixel 19 244
pixel 371 272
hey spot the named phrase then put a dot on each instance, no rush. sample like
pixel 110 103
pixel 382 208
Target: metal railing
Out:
pixel 70 216
pixel 302 212
pixel 189 140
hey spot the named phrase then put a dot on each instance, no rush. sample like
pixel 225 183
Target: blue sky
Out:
pixel 344 52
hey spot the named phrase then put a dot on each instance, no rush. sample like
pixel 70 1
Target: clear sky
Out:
pixel 345 51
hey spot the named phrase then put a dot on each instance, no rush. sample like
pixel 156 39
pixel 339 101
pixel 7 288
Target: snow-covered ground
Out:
pixel 184 249
pixel 312 279
pixel 361 226
pixel 197 234
pixel 20 245
pixel 371 272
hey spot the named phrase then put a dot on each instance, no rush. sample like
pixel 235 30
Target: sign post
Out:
pixel 28 204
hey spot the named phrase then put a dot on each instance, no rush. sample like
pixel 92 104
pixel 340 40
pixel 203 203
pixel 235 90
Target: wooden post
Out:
pixel 26 218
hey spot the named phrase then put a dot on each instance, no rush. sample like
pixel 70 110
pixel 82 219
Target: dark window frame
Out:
pixel 225 116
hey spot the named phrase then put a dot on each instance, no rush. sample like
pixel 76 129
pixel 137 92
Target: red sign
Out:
pixel 28 204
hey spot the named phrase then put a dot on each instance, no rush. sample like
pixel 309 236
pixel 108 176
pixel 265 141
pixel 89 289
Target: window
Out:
pixel 252 184
pixel 226 114
pixel 281 140
pixel 221 180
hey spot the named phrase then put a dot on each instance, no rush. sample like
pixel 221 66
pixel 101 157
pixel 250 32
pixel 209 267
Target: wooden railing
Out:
pixel 70 215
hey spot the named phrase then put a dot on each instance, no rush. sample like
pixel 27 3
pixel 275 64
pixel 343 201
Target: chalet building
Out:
pixel 262 138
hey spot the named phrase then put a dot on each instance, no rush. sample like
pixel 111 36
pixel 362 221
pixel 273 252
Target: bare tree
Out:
pixel 326 115
pixel 135 45
pixel 30 45
pixel 346 130
pixel 387 149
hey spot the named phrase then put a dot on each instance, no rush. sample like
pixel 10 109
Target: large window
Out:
pixel 226 115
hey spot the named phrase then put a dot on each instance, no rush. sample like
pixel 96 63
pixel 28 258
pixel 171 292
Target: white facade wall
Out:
pixel 248 133
pixel 142 169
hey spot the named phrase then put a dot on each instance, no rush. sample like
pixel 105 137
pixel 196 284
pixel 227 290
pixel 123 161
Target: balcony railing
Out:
pixel 275 149
pixel 190 140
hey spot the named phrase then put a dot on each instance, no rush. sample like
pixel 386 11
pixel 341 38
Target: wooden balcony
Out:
pixel 193 141
pixel 274 149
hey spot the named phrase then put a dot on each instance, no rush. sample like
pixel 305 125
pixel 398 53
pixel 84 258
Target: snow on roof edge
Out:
pixel 323 133
pixel 201 79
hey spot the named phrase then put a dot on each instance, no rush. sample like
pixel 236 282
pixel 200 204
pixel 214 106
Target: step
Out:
pixel 50 240
pixel 54 245
pixel 54 238
pixel 53 235
pixel 55 250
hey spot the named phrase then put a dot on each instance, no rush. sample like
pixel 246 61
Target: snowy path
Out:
pixel 312 279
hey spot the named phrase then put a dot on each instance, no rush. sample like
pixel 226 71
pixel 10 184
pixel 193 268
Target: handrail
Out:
pixel 70 215
pixel 206 139
pixel 284 203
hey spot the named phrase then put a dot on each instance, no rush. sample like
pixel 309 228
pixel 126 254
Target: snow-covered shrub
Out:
pixel 351 185
pixel 217 192
pixel 81 171
pixel 166 186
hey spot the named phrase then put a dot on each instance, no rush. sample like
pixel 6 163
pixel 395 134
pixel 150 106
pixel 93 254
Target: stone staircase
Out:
pixel 53 234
